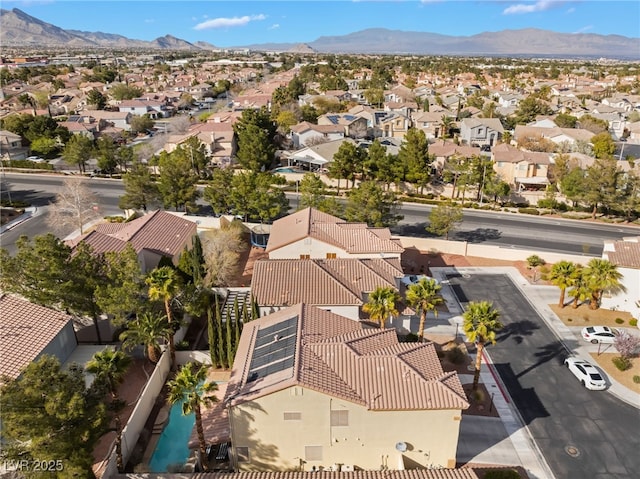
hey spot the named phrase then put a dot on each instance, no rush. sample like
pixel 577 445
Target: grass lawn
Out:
pixel 583 316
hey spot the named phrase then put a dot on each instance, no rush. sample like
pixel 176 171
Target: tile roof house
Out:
pixel 558 135
pixel 340 285
pixel 307 134
pixel 28 331
pixel 521 168
pixel 338 393
pixel 354 126
pixel 317 156
pixel 152 236
pixel 481 131
pixel 310 233
pixel 625 254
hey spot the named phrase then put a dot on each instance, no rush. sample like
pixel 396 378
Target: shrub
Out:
pixel 502 474
pixel 633 322
pixel 528 211
pixel 410 338
pixel 534 260
pixel 621 363
pixel 456 355
pixel 619 320
pixel 626 344
pixel 478 395
pixel 636 379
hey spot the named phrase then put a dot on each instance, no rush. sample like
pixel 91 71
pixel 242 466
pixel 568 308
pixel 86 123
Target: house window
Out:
pixel 500 164
pixel 242 453
pixel 340 418
pixel 292 416
pixel 313 453
pixel 305 256
pixel 331 256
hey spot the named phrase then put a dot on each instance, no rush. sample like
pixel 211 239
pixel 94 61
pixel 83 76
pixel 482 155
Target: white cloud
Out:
pixel 539 6
pixel 223 22
pixel 274 26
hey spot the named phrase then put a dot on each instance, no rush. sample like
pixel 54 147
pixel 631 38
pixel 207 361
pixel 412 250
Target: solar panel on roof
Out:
pixel 349 117
pixel 333 119
pixel 274 349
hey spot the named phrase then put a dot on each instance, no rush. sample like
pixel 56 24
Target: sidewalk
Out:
pixel 28 213
pixel 507 441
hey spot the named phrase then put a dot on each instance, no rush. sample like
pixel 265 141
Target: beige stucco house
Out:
pixel 310 233
pixel 625 254
pixel 521 168
pixel 311 390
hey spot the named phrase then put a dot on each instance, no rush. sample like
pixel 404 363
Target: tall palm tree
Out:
pixel 562 275
pixel 382 304
pixel 148 330
pixel 602 275
pixel 424 296
pixel 164 284
pixel 480 325
pixel 190 387
pixel 109 367
pixel 580 289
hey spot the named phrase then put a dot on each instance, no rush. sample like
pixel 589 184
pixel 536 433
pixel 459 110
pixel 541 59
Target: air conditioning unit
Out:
pixel 348 468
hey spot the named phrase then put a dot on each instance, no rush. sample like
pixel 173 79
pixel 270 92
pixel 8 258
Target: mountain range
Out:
pixel 19 29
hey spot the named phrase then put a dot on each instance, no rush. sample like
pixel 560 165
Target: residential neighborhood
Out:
pixel 254 305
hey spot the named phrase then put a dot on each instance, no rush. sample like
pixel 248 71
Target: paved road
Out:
pixel 504 229
pixel 581 433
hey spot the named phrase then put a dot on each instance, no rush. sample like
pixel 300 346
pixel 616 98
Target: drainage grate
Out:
pixel 573 451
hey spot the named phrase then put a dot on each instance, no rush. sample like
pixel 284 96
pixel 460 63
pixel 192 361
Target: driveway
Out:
pixel 581 433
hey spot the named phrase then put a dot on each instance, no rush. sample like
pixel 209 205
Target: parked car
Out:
pixel 410 279
pixel 586 373
pixel 35 159
pixel 599 334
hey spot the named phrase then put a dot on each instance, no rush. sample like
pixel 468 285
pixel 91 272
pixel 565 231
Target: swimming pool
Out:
pixel 285 169
pixel 172 447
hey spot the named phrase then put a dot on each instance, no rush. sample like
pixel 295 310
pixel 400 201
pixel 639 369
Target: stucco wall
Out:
pixel 367 442
pixel 628 300
pixel 319 249
pixel 352 312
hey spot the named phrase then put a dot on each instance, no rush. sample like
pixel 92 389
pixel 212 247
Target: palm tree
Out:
pixel 163 285
pixel 109 367
pixel 424 296
pixel 148 330
pixel 382 304
pixel 190 388
pixel 602 275
pixel 480 325
pixel 562 275
pixel 580 290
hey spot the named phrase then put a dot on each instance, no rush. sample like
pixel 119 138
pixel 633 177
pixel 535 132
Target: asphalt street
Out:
pixel 581 433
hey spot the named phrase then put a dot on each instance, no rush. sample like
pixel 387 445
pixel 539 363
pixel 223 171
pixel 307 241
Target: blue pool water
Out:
pixel 285 169
pixel 172 446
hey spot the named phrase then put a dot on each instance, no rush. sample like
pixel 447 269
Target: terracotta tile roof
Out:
pixel 461 473
pixel 509 154
pixel 341 281
pixel 339 357
pixel 158 231
pixel 99 242
pixel 626 253
pixel 215 421
pixel 25 331
pixel 354 238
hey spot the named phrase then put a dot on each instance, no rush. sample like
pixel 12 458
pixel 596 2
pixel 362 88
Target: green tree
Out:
pixel 122 292
pixel 600 185
pixel 191 389
pixel 164 285
pixel 177 183
pixel 109 368
pixel 140 190
pixel 313 194
pixel 444 218
pixel 106 154
pixel 78 151
pixel 563 120
pixel 256 196
pixel 194 151
pixel 149 330
pixel 602 275
pixel 96 99
pixel 480 324
pixel 44 146
pixel 562 275
pixel 124 157
pixel 414 154
pixel 603 145
pixel 120 91
pixel 141 124
pixel 424 296
pixel 216 193
pixel 49 415
pixel 580 290
pixel 381 305
pixel 530 108
pixel 369 203
pixel 255 149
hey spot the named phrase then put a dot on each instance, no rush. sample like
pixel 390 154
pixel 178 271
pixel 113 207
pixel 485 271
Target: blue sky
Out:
pixel 236 23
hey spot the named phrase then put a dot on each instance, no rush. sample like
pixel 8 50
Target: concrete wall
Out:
pixel 367 442
pixel 62 345
pixel 464 248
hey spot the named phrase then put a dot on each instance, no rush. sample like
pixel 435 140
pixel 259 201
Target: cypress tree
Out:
pixel 211 337
pixel 220 340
